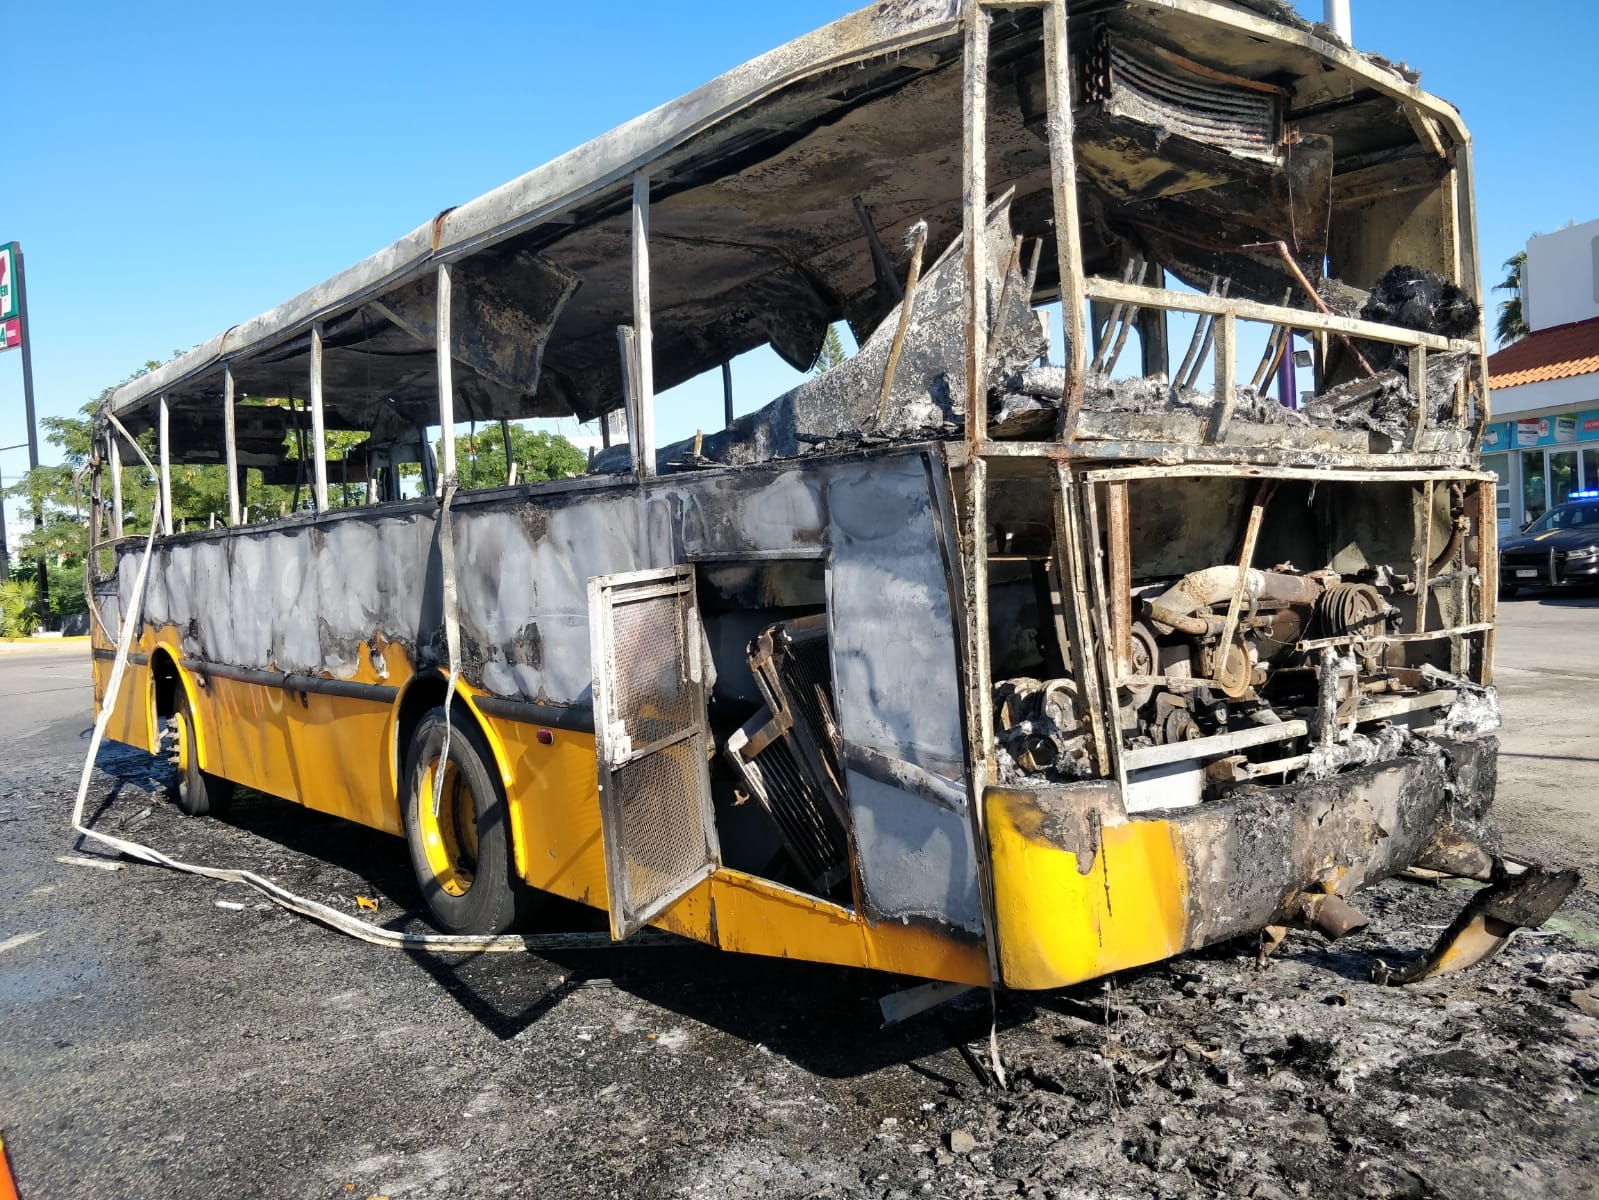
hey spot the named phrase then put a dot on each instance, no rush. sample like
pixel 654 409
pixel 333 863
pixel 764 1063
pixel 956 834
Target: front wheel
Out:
pixel 199 793
pixel 460 837
pixel 1507 591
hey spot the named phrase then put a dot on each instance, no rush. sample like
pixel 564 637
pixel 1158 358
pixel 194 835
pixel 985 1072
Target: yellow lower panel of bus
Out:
pixel 129 722
pixel 329 753
pixel 333 754
pixel 555 810
pixel 749 915
pixel 555 813
pixel 1057 925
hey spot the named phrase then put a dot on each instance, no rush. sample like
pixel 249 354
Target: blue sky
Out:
pixel 174 169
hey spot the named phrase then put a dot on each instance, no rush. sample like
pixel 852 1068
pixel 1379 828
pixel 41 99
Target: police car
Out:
pixel 1559 549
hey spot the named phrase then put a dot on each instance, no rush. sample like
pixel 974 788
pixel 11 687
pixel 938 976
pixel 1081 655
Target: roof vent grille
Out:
pixel 1179 96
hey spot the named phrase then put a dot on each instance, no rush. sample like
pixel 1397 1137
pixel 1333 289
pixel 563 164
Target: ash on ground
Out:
pixel 680 1071
pixel 1211 1075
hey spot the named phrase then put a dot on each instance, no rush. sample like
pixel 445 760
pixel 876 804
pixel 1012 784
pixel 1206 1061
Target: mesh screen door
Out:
pixel 652 738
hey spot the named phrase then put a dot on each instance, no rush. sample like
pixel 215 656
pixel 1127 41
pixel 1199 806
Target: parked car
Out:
pixel 1559 549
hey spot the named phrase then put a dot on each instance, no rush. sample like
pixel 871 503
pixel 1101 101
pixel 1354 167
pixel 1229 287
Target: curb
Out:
pixel 23 645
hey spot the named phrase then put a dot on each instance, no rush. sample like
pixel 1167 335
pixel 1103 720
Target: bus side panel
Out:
pixel 329 753
pixel 750 915
pixel 555 811
pixel 897 691
pixel 130 714
pixel 248 735
pixel 341 758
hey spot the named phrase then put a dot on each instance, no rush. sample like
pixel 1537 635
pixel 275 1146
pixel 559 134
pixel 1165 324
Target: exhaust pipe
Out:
pixel 1335 14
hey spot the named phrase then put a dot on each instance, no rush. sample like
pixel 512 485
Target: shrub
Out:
pixel 19 607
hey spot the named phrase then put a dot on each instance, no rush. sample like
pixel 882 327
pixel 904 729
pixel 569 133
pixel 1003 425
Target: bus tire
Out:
pixel 198 793
pixel 462 856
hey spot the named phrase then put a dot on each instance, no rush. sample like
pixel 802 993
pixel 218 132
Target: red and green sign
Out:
pixel 9 292
pixel 10 334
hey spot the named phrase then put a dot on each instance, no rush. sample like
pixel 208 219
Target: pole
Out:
pixel 164 442
pixel 319 444
pixel 643 438
pixel 229 435
pixel 115 455
pixel 443 348
pixel 27 404
pixel 1335 13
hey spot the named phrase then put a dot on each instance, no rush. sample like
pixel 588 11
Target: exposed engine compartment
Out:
pixel 1225 673
pixel 1200 684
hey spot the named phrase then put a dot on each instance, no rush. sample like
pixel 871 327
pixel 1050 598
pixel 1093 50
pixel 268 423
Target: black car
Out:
pixel 1559 549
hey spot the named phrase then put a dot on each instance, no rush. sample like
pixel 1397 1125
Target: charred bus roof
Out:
pixel 1234 114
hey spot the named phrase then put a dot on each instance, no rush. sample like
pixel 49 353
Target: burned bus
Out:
pixel 1037 640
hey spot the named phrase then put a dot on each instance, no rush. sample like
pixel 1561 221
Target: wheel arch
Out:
pixel 167 681
pixel 424 692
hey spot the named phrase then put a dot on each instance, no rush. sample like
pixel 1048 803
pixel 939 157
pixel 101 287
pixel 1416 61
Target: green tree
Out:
pixel 57 493
pixel 1512 324
pixel 200 492
pixel 832 351
pixel 480 456
pixel 66 590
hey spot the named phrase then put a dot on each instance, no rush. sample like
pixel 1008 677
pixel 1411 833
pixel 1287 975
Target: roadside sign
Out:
pixel 9 292
pixel 10 334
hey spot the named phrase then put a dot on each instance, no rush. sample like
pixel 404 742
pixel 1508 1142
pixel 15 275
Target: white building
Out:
pixel 1544 439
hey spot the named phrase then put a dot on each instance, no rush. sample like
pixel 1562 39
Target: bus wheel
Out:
pixel 460 844
pixel 199 793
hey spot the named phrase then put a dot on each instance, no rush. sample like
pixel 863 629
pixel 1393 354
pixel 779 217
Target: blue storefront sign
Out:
pixel 1531 433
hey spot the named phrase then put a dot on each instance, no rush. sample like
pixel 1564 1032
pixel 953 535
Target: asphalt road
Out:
pixel 154 1043
pixel 1546 667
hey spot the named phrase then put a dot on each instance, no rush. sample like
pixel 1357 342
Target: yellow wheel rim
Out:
pixel 180 722
pixel 449 834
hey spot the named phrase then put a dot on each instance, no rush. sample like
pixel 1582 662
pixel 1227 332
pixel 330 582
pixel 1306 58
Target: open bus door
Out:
pixel 652 741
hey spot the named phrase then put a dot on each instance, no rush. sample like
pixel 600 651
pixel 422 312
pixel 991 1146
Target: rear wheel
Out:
pixel 460 836
pixel 198 793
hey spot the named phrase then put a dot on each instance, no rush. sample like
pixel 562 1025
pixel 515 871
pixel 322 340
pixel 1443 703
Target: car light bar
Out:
pixel 1591 494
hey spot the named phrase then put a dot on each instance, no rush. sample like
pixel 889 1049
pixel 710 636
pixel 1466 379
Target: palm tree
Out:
pixel 1512 324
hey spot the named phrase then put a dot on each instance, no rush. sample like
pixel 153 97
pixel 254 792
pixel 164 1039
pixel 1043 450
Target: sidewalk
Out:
pixel 28 644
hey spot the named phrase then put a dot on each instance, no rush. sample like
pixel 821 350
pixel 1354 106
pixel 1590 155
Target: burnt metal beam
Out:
pixel 230 440
pixel 1100 288
pixel 1424 563
pixel 1486 494
pixel 974 213
pixel 1225 396
pixel 114 452
pixel 164 439
pixel 441 343
pixel 1119 547
pixel 319 450
pixel 1069 549
pixel 1063 184
pixel 642 432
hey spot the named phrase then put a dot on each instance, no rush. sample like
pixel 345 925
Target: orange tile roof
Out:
pixel 1556 353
